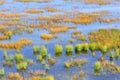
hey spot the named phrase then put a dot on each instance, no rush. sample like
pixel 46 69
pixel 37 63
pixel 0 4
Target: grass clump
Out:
pixel 19 57
pixel 69 49
pixel 46 36
pixel 85 47
pixel 58 49
pixel 2 72
pixel 22 66
pixel 78 48
pixel 97 67
pixel 36 49
pixel 43 51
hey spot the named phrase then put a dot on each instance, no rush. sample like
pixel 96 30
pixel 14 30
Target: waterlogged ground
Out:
pixel 70 8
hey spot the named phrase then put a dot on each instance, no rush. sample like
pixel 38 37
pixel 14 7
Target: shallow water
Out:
pixel 58 70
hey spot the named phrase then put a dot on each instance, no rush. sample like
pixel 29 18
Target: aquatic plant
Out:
pixel 19 57
pixel 46 36
pixel 49 57
pixel 71 40
pixel 81 19
pixel 50 9
pixel 68 64
pixel 47 67
pixel 36 49
pixel 107 39
pixel 93 54
pixel 59 29
pixel 78 35
pixel 108 20
pixel 17 50
pixel 2 72
pixel 81 73
pixel 93 46
pixel 111 66
pixel 34 11
pixel 101 2
pixel 39 58
pixel 80 62
pixel 75 62
pixel 69 49
pixel 78 48
pixel 50 78
pixel 9 63
pixel 104 49
pixel 14 76
pixel 3 37
pixel 43 51
pixel 42 78
pixel 85 47
pixel 43 62
pixel 11 57
pixel 82 37
pixel 97 67
pixel 16 45
pixel 58 49
pixel 22 66
pixel 111 56
pixel 52 61
pixel 30 61
pixel 29 30
pixel 11 75
pixel 117 53
pixel 35 78
pixel 9 34
pixel 101 58
pixel 5 55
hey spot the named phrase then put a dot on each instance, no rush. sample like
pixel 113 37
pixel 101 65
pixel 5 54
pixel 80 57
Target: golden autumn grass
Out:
pixel 16 45
pixel 82 19
pixel 106 37
pixel 46 36
pixel 12 14
pixel 100 2
pixel 34 11
pixel 108 20
pixel 52 27
pixel 3 37
pixel 59 29
pixel 50 9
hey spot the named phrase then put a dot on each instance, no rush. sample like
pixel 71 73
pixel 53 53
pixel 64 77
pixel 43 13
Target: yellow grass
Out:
pixel 46 36
pixel 34 11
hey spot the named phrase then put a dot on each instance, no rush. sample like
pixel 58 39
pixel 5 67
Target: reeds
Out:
pixel 97 67
pixel 105 39
pixel 43 51
pixel 69 49
pixel 36 49
pixel 19 57
pixel 58 49
pixel 75 62
pixel 2 72
pixel 22 66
